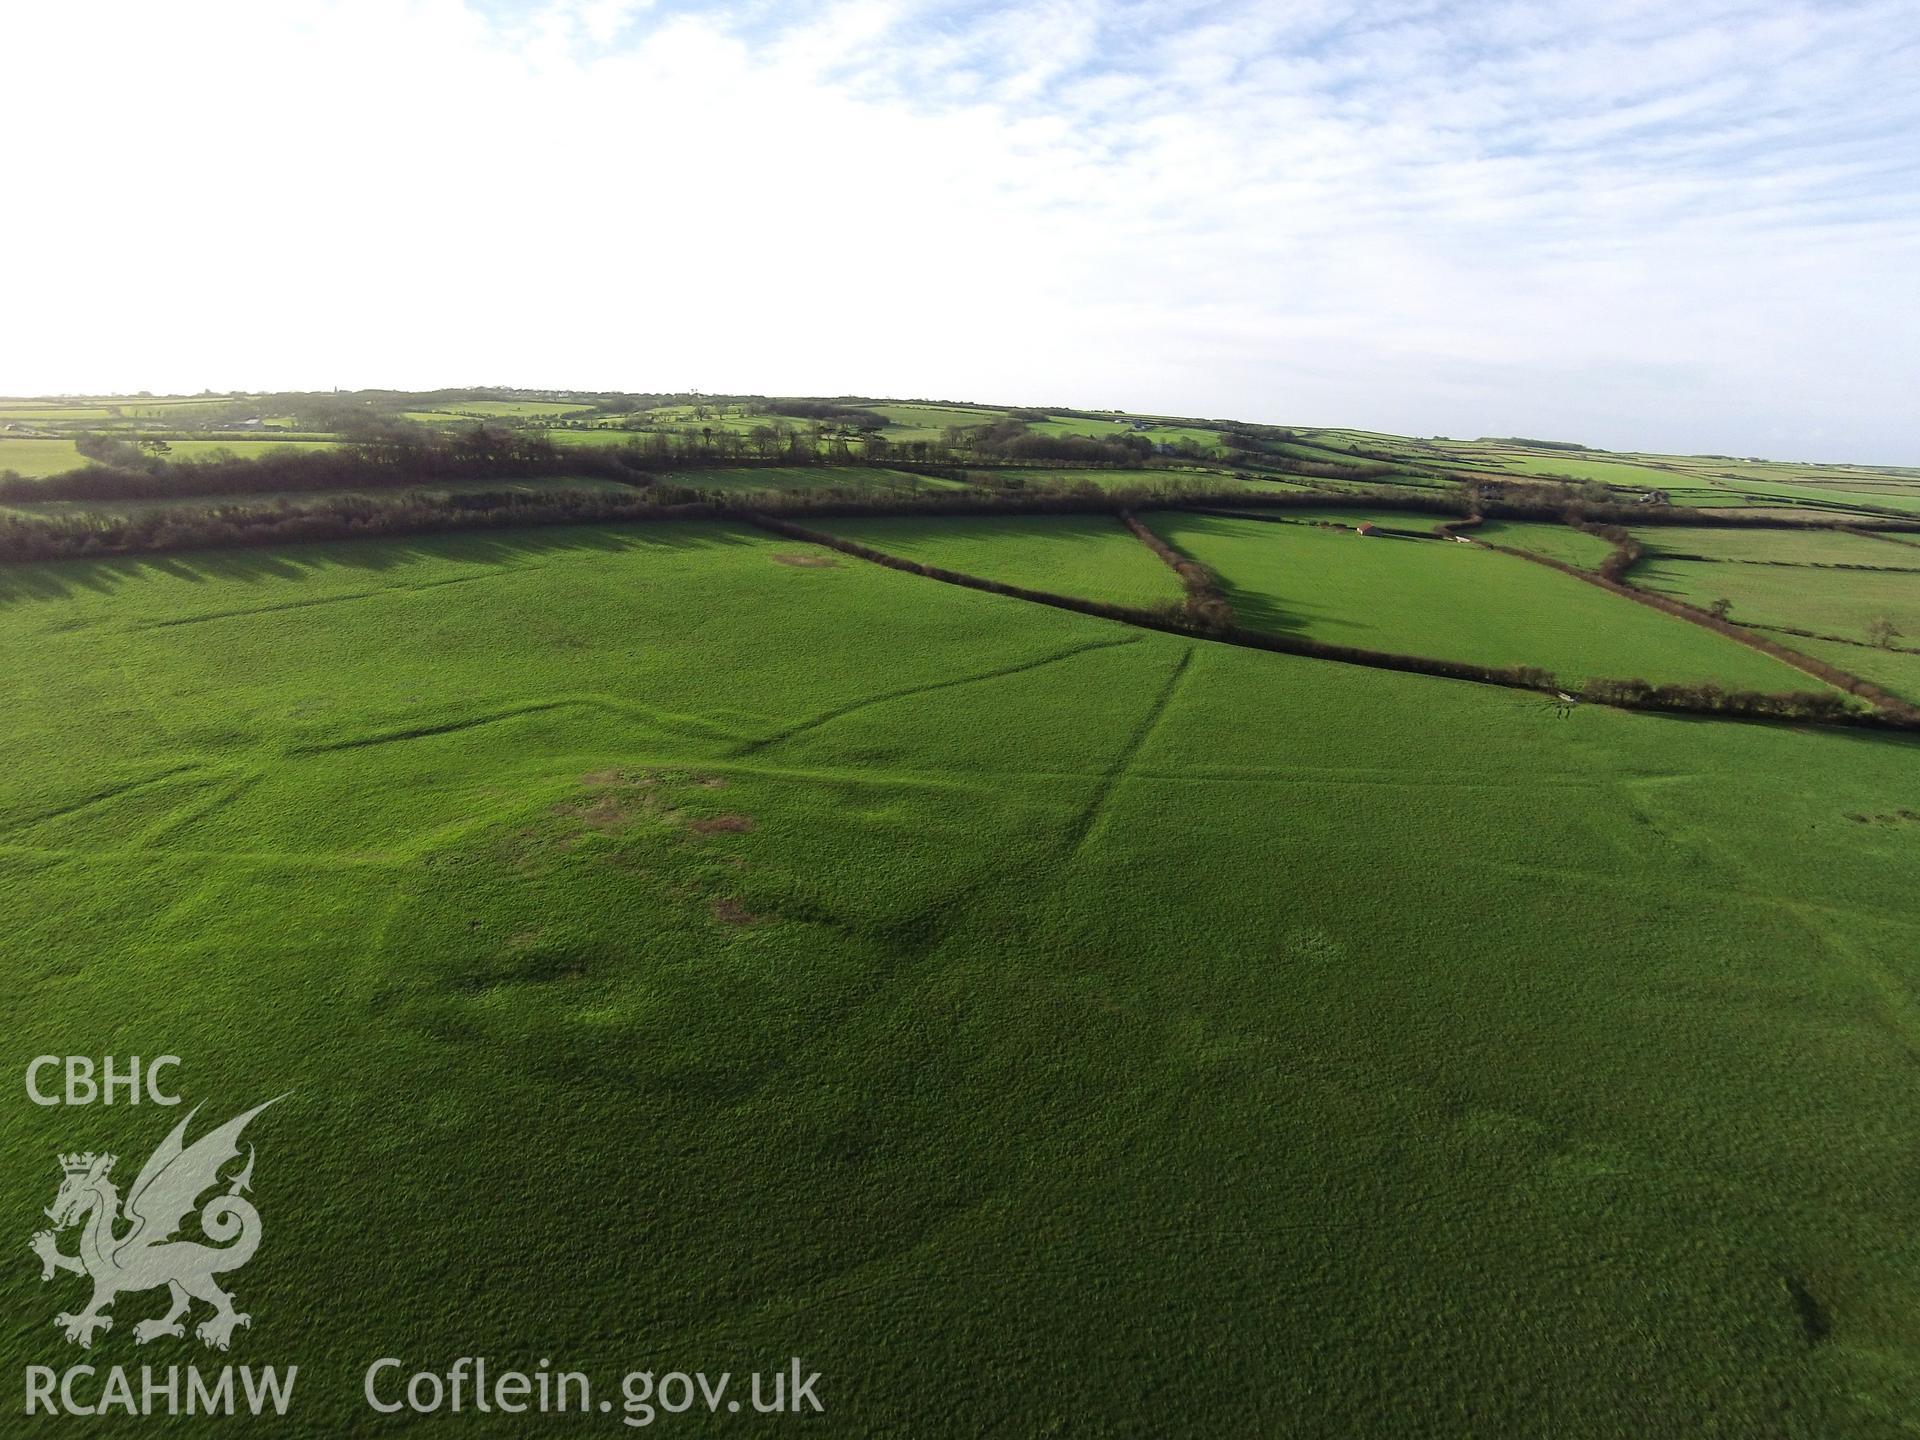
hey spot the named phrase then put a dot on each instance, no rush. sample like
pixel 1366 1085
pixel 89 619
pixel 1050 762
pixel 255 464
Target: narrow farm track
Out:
pixel 175 621
pixel 1095 809
pixel 269 859
pixel 223 795
pixel 1892 998
pixel 379 592
pixel 678 723
pixel 841 711
pixel 99 797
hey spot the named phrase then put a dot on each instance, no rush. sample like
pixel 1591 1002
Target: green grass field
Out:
pixel 685 948
pixel 115 412
pixel 681 957
pixel 1090 556
pixel 1320 453
pixel 780 478
pixel 38 413
pixel 740 419
pixel 1159 431
pixel 1460 602
pixel 1780 547
pixel 39 457
pixel 1832 602
pixel 1343 441
pixel 1565 465
pixel 1689 480
pixel 611 437
pixel 1895 670
pixel 515 409
pixel 910 421
pixel 1832 498
pixel 53 457
pixel 1556 542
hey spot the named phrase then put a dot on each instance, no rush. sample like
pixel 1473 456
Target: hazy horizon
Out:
pixel 991 404
pixel 1616 224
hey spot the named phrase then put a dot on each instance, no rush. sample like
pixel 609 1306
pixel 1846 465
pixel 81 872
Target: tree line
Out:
pixel 382 457
pixel 648 492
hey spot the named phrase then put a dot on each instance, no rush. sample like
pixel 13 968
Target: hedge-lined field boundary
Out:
pixel 1628 551
pixel 416 509
pixel 1826 707
pixel 1206 605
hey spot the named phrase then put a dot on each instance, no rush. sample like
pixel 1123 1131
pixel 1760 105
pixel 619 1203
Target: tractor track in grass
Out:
pixel 1095 808
pixel 427 732
pixel 1627 885
pixel 223 795
pixel 98 797
pixel 923 930
pixel 307 860
pixel 179 620
pixel 1894 1008
pixel 681 724
pixel 840 711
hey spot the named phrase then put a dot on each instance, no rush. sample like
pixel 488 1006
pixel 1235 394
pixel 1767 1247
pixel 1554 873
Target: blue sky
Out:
pixel 1680 227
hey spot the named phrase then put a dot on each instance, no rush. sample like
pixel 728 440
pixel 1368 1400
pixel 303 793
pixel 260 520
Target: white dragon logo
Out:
pixel 146 1255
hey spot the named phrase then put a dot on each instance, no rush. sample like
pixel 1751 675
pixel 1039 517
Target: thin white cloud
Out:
pixel 1615 220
